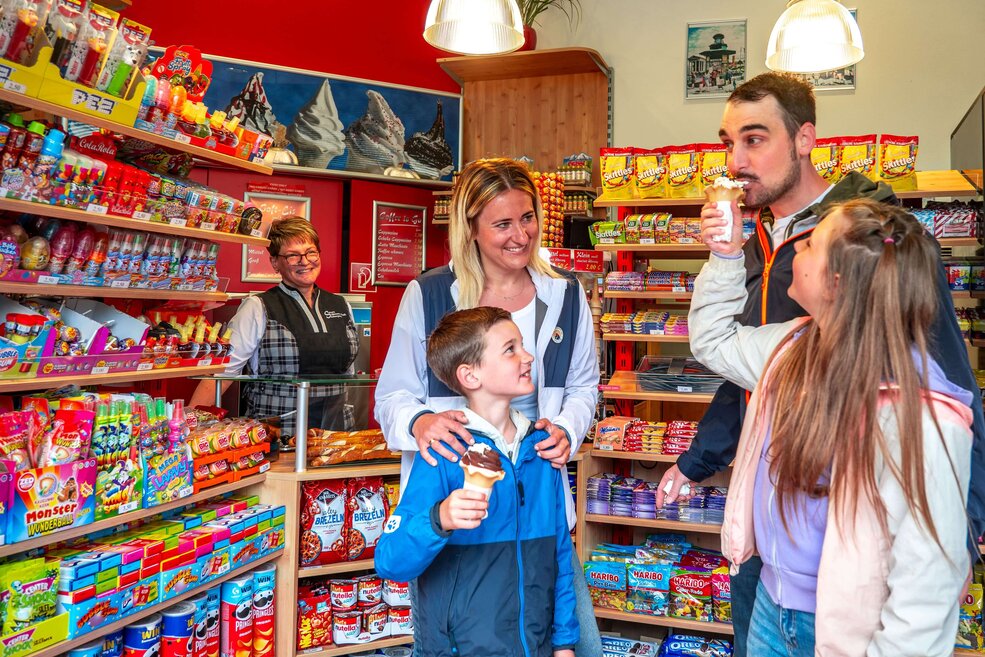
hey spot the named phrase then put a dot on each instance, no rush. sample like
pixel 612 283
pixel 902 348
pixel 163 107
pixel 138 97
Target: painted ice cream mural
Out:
pixel 376 139
pixel 252 108
pixel 317 132
pixel 428 153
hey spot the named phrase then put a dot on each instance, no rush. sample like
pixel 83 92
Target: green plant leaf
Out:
pixel 530 10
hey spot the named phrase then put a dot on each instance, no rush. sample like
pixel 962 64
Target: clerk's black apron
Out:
pixel 303 341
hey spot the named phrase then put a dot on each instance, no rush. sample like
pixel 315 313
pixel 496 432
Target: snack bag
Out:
pixel 721 595
pixel 713 159
pixel 858 154
pixel 607 584
pixel 368 509
pixel 618 174
pixel 607 232
pixel 690 594
pixel 898 161
pixel 323 522
pixel 826 158
pixel 651 173
pixel 649 586
pixel 683 174
pixel 970 632
pixel 686 645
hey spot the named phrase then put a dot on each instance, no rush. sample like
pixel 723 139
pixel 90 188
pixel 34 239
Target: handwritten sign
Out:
pixel 398 242
pixel 256 259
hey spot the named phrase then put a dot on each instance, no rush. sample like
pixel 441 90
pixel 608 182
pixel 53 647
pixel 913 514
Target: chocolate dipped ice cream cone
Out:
pixel 482 467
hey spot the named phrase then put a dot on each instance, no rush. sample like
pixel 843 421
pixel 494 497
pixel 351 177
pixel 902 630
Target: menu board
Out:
pixel 398 242
pixel 256 259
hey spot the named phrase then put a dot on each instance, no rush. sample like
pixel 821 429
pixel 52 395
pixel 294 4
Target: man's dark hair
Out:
pixel 794 96
pixel 459 339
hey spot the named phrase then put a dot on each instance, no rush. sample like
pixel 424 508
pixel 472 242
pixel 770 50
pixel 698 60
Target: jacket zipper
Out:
pixel 768 265
pixel 518 500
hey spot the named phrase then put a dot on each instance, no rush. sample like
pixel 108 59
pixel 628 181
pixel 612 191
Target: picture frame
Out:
pixel 256 260
pixel 399 239
pixel 715 58
pixel 840 79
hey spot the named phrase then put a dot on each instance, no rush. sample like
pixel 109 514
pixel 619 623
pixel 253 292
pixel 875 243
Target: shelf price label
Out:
pixel 93 102
pixel 48 280
pixel 178 221
pixel 182 138
pixel 205 362
pixel 684 389
pixel 143 367
pixel 100 369
pixel 142 216
pixel 97 209
pixel 16 87
pixel 120 282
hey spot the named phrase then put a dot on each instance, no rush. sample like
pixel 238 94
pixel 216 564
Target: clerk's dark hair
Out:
pixel 460 339
pixel 794 96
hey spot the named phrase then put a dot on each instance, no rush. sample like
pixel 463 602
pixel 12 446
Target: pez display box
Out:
pixel 51 499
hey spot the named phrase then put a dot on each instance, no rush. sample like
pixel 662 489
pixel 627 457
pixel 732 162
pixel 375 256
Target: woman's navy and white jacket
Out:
pixel 503 589
pixel 567 367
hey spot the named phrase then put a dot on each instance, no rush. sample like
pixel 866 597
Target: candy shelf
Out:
pixel 111 292
pixel 622 385
pixel 671 525
pixel 63 647
pixel 12 385
pixel 130 131
pixel 59 212
pixel 333 651
pixel 634 456
pixel 336 568
pixel 666 621
pixel 662 250
pixel 641 337
pixel 654 294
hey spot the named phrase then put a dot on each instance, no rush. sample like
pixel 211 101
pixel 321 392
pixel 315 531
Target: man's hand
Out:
pixel 713 222
pixel 564 653
pixel 435 430
pixel 677 480
pixel 555 448
pixel 463 509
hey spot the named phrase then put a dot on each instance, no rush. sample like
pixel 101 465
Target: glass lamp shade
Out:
pixel 813 36
pixel 474 27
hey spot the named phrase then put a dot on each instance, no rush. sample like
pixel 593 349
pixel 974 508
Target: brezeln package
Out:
pixel 618 174
pixel 898 161
pixel 858 154
pixel 683 175
pixel 713 159
pixel 651 173
pixel 826 158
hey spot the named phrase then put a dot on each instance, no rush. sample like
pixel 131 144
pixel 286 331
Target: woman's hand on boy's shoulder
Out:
pixel 556 448
pixel 463 509
pixel 436 430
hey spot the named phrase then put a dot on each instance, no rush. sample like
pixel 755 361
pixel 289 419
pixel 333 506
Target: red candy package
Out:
pixel 369 508
pixel 67 440
pixel 323 522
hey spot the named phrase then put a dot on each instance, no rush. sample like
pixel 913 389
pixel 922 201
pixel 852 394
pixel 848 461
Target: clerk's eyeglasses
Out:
pixel 295 258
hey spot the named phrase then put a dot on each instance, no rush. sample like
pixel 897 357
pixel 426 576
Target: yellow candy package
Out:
pixel 714 163
pixel 651 173
pixel 683 175
pixel 826 158
pixel 858 154
pixel 898 161
pixel 618 174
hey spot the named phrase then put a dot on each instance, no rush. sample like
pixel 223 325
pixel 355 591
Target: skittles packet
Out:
pixel 898 161
pixel 683 175
pixel 618 174
pixel 858 154
pixel 713 158
pixel 651 173
pixel 826 158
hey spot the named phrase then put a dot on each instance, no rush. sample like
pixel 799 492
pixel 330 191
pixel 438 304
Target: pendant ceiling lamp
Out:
pixel 474 27
pixel 813 36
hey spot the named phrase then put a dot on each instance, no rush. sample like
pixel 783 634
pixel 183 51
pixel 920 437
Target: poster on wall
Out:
pixel 323 121
pixel 839 78
pixel 715 61
pixel 398 242
pixel 283 201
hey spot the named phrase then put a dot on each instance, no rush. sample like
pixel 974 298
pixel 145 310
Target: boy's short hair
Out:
pixel 460 339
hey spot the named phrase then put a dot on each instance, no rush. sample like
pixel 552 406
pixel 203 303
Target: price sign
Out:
pixel 16 87
pixel 100 369
pixel 48 280
pixel 398 242
pixel 96 209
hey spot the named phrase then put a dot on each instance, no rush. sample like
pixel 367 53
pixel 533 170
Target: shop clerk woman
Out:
pixel 292 329
pixel 494 236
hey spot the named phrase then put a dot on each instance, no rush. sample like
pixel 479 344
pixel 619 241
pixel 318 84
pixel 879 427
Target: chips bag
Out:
pixel 618 174
pixel 683 175
pixel 858 154
pixel 826 158
pixel 323 522
pixel 714 162
pixel 898 161
pixel 651 173
pixel 368 510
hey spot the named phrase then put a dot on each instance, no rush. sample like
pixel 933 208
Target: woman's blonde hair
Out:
pixel 825 388
pixel 290 229
pixel 478 184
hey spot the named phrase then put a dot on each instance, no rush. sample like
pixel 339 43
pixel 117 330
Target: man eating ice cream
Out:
pixel 488 544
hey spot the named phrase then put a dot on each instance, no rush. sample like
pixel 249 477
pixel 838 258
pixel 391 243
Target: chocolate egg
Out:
pixel 35 254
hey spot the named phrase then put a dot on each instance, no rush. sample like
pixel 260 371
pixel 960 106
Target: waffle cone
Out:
pixel 724 194
pixel 481 481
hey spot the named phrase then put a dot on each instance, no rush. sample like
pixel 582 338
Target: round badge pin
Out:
pixel 558 335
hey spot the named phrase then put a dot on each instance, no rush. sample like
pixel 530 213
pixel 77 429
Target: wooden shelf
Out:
pixel 959 241
pixel 667 621
pixel 442 192
pixel 111 292
pixel 63 647
pixel 966 652
pixel 665 250
pixel 580 188
pixel 622 385
pixel 12 385
pixel 654 294
pixel 334 651
pixel 650 202
pixel 673 525
pixel 528 64
pixel 640 337
pixel 336 568
pixel 21 100
pixel 634 456
pixel 59 212
pixel 284 470
pixel 968 294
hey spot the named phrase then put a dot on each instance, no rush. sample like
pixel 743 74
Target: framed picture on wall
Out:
pixel 715 61
pixel 256 259
pixel 398 242
pixel 840 78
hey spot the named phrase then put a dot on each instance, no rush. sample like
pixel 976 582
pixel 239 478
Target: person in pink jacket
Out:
pixel 852 471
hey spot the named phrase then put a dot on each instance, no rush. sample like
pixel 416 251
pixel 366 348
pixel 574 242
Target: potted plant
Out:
pixel 531 9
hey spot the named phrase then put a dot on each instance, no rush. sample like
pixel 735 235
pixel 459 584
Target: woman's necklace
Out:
pixel 507 297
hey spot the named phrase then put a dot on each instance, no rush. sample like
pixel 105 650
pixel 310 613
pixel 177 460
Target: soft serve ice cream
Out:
pixel 428 153
pixel 376 139
pixel 722 193
pixel 317 132
pixel 483 468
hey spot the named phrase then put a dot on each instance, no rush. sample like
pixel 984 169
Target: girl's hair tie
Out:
pixel 889 240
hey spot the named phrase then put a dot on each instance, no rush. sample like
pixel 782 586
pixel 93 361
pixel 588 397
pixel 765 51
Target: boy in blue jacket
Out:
pixel 493 572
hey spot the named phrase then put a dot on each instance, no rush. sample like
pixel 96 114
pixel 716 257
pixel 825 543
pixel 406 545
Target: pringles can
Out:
pixel 236 617
pixel 264 580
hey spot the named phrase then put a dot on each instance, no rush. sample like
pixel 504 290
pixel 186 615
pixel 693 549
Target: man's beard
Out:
pixel 768 196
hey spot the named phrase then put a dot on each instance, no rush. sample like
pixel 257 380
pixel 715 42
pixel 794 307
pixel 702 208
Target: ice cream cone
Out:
pixel 483 469
pixel 723 192
pixel 481 480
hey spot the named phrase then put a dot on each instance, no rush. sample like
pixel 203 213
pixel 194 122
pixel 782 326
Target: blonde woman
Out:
pixel 494 233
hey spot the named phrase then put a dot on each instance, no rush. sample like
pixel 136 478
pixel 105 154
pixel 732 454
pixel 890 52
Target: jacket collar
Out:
pixel 524 427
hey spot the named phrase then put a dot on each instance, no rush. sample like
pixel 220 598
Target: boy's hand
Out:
pixel 564 653
pixel 555 448
pixel 448 427
pixel 463 509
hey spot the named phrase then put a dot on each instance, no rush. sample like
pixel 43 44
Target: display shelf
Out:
pixel 653 294
pixel 12 385
pixel 622 385
pixel 442 192
pixel 663 250
pixel 72 214
pixel 634 456
pixel 111 292
pixel 285 470
pixel 966 652
pixel 959 241
pixel 580 188
pixel 666 621
pixel 531 63
pixel 673 525
pixel 63 647
pixel 336 568
pixel 74 532
pixel 640 337
pixel 649 202
pixel 334 651
pixel 21 100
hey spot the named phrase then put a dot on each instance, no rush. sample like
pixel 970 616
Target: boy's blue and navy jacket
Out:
pixel 503 589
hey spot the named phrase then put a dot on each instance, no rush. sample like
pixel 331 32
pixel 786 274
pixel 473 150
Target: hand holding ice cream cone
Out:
pixel 467 507
pixel 720 213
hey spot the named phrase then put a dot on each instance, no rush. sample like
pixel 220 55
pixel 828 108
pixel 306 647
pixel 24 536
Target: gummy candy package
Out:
pixel 898 161
pixel 618 174
pixel 826 158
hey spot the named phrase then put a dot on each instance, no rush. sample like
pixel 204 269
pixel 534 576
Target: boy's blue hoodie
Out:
pixel 500 590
